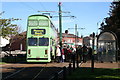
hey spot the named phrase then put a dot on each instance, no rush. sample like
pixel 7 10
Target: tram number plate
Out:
pixel 38 31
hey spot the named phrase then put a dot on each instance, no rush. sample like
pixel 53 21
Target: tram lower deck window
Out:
pixel 32 41
pixel 43 41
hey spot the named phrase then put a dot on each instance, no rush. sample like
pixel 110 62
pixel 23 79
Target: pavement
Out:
pixel 102 65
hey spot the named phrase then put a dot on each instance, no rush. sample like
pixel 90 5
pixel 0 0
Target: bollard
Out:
pixel 64 73
pixel 69 68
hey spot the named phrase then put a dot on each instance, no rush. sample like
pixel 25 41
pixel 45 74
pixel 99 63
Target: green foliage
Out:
pixel 112 23
pixel 99 73
pixel 8 29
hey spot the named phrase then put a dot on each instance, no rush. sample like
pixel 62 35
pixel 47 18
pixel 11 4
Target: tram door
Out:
pixel 106 49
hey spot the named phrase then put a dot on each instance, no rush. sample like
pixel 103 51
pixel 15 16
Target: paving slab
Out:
pixel 102 65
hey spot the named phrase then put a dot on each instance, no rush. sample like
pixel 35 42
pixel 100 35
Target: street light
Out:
pixel 98 27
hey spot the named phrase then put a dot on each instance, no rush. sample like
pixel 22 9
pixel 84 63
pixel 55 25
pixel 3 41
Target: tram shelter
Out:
pixel 107 47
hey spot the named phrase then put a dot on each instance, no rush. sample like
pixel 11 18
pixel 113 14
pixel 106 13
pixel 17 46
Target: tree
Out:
pixel 7 28
pixel 112 23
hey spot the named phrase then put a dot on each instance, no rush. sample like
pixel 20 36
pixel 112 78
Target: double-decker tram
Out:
pixel 41 39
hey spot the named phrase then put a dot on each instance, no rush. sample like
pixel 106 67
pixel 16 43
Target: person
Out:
pixel 95 55
pixel 84 51
pixel 79 52
pixel 90 52
pixel 58 54
pixel 73 49
pixel 69 53
pixel 100 51
pixel 63 55
pixel 51 53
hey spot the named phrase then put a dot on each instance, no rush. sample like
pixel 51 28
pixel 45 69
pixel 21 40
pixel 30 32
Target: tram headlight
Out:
pixel 29 55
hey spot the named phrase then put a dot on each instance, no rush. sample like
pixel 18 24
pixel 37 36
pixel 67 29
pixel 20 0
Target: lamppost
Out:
pixel 97 27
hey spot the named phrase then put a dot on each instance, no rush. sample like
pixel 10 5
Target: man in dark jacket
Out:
pixel 79 52
pixel 84 51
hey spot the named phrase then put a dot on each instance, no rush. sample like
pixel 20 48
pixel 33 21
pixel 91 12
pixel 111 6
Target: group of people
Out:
pixel 63 54
pixel 66 52
pixel 85 53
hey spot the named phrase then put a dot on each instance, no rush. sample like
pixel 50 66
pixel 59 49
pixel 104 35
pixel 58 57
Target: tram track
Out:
pixel 46 73
pixel 38 73
pixel 34 73
pixel 14 73
pixel 25 73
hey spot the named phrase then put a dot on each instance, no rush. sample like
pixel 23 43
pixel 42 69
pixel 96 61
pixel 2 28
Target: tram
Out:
pixel 41 39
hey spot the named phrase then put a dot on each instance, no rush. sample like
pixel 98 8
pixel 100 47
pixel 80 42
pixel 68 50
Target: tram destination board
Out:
pixel 37 32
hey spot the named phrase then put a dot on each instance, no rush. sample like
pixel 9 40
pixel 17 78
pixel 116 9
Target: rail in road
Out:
pixel 33 71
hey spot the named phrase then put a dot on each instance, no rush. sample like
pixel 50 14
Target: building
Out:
pixel 4 41
pixel 70 39
pixel 17 42
pixel 86 41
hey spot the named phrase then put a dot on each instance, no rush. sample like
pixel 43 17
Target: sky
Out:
pixel 88 15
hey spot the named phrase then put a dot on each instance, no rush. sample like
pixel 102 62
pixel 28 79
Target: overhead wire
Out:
pixel 42 6
pixel 76 21
pixel 69 14
pixel 23 3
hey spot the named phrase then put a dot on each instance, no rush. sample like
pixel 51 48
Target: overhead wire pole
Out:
pixel 60 25
pixel 76 44
pixel 76 32
pixel 76 35
pixel 60 20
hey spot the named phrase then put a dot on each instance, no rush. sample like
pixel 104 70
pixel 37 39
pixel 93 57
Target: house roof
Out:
pixel 69 35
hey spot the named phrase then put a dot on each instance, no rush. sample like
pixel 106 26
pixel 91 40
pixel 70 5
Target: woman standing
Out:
pixel 58 54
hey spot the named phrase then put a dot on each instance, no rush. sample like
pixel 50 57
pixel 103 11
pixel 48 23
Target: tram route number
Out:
pixel 37 32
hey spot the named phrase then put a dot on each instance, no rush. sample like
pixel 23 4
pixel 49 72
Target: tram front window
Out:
pixel 32 41
pixel 43 41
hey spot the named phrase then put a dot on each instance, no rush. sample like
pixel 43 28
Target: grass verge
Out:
pixel 99 73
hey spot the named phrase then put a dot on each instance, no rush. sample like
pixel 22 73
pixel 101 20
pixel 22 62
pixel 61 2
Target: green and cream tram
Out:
pixel 41 39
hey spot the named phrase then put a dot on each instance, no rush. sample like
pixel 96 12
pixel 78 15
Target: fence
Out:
pixel 13 56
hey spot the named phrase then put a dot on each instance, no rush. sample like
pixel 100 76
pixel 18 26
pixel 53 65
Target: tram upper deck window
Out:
pixel 33 23
pixel 43 23
pixel 43 41
pixel 32 41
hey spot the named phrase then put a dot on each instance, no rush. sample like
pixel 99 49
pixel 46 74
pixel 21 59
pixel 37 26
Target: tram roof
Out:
pixel 39 15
